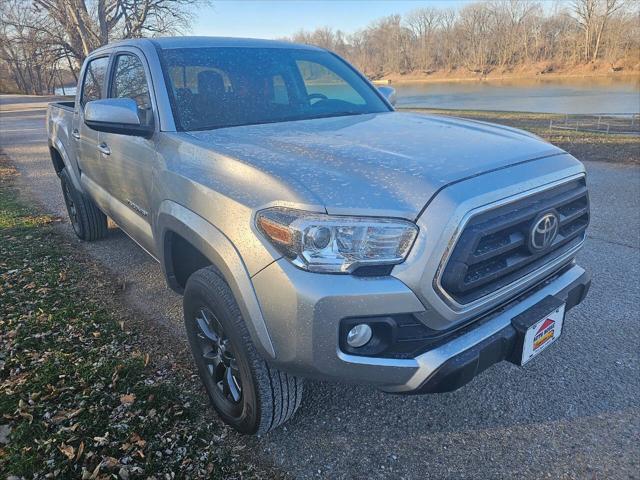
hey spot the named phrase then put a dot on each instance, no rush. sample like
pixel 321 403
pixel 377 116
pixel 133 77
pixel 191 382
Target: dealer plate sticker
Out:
pixel 542 334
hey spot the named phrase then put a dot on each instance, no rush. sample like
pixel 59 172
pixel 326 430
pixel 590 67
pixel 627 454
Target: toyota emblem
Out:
pixel 543 232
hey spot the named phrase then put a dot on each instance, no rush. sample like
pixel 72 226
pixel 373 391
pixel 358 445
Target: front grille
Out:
pixel 493 251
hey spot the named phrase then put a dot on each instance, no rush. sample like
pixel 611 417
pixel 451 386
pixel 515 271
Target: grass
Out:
pixel 590 146
pixel 79 395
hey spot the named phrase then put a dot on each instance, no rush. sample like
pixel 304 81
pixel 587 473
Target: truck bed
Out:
pixel 66 105
pixel 59 125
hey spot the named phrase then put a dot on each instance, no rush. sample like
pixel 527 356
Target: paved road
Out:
pixel 572 413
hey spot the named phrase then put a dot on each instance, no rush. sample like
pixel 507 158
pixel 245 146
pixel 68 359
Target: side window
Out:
pixel 187 77
pixel 280 93
pixel 94 80
pixel 319 80
pixel 130 81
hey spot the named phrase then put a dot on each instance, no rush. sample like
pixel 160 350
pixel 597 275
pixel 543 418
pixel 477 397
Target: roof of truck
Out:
pixel 191 42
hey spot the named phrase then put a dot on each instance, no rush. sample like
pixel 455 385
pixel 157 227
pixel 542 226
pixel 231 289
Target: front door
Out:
pixel 131 159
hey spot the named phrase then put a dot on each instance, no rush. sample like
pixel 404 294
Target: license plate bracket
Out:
pixel 537 328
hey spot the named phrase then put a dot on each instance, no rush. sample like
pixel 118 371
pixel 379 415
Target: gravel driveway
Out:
pixel 572 413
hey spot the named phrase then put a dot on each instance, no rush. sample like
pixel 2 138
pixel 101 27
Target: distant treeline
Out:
pixel 486 37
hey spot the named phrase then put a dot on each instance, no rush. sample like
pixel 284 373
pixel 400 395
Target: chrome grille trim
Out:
pixel 517 286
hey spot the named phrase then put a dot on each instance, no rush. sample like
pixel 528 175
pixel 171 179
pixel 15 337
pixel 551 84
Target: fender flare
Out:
pixel 58 146
pixel 220 251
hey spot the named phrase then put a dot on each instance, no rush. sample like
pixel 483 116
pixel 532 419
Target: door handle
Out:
pixel 104 149
pixel 75 134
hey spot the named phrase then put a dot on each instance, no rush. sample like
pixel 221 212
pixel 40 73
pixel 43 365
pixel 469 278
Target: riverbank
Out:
pixel 590 146
pixel 529 72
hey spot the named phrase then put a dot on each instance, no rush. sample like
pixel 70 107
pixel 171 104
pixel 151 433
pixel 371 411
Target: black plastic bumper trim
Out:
pixel 461 369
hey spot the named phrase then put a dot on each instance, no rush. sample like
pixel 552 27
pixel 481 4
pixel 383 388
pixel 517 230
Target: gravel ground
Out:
pixel 572 413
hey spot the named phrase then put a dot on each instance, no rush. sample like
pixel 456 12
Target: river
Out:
pixel 583 95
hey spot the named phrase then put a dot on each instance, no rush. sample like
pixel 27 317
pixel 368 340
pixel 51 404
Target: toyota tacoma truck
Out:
pixel 313 230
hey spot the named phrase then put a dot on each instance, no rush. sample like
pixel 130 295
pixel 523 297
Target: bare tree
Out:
pixel 447 40
pixel 511 24
pixel 493 34
pixel 610 8
pixel 85 25
pixel 64 32
pixel 31 56
pixel 423 23
pixel 593 17
pixel 475 35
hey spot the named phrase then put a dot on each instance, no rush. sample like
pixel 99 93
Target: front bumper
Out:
pixel 303 312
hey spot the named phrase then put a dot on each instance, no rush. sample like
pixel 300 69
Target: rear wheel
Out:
pixel 88 222
pixel 246 392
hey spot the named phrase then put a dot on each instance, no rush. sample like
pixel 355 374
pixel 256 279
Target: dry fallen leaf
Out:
pixel 101 441
pixel 96 471
pixel 127 399
pixel 110 463
pixel 65 415
pixel 28 416
pixel 67 450
pixel 136 439
pixel 80 451
pixel 72 428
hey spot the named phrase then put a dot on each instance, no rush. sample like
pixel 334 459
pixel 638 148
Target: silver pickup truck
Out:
pixel 312 229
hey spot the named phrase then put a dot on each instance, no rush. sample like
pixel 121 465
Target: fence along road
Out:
pixel 572 413
pixel 610 123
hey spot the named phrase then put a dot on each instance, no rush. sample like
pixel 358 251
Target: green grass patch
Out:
pixel 79 397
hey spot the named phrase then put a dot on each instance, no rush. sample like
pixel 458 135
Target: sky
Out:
pixel 277 19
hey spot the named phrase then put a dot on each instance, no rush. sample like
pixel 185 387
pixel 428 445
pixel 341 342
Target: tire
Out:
pixel 88 222
pixel 247 393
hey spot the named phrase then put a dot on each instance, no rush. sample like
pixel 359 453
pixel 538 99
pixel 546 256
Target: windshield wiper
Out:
pixel 281 120
pixel 337 114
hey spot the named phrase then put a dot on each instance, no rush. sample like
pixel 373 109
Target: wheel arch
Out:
pixel 61 160
pixel 56 159
pixel 186 237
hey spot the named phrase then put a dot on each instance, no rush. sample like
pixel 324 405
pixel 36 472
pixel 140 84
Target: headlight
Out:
pixel 336 244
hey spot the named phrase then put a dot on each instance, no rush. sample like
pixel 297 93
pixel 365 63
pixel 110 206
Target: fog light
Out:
pixel 359 335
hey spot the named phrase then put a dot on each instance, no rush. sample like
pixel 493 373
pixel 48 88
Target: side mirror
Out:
pixel 116 115
pixel 389 93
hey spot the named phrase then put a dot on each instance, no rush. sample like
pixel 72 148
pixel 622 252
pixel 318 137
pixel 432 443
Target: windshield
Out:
pixel 221 87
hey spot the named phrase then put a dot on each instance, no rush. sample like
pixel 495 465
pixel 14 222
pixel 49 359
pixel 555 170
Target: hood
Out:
pixel 389 162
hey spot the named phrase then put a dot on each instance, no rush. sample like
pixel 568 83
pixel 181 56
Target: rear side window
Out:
pixel 130 81
pixel 94 78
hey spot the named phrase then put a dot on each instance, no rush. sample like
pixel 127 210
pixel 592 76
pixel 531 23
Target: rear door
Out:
pixel 87 141
pixel 131 160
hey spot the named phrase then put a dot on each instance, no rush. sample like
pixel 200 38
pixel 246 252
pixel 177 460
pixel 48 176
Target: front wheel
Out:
pixel 247 393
